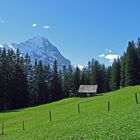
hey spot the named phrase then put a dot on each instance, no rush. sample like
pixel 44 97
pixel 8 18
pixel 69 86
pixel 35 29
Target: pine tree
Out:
pixel 34 89
pixel 109 78
pixel 43 91
pixel 83 79
pixel 138 61
pixel 56 87
pixel 20 83
pixel 131 65
pixel 104 79
pixel 47 75
pixel 96 77
pixel 122 70
pixel 10 82
pixel 115 75
pixel 76 79
pixel 2 78
pixel 71 86
pixel 65 82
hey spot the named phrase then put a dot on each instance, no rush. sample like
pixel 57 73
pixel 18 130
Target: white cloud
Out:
pixel 111 57
pixel 79 66
pixel 34 25
pixel 46 27
pixel 2 20
pixel 108 50
pixel 102 55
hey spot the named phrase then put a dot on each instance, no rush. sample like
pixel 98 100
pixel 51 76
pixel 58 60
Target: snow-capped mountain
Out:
pixel 41 49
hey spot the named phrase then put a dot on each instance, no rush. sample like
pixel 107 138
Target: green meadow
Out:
pixel 93 122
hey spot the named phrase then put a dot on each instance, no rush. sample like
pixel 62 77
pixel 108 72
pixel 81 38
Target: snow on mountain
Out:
pixel 41 49
pixel 1 46
pixel 79 66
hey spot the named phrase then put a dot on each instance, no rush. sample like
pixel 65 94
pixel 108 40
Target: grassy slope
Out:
pixel 94 121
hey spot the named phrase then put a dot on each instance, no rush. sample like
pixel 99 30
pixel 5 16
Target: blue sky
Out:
pixel 81 29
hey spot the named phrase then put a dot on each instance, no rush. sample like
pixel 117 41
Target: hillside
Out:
pixel 94 121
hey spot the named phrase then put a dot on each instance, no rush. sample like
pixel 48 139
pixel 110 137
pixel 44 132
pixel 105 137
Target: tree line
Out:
pixel 23 84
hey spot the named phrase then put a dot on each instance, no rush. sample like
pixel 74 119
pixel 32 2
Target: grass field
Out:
pixel 94 122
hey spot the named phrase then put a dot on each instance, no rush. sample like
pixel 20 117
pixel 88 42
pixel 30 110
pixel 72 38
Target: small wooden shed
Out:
pixel 87 90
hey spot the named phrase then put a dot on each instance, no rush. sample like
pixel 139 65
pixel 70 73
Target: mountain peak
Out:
pixel 40 48
pixel 39 38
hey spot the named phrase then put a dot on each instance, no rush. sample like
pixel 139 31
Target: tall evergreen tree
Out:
pixel 76 79
pixel 3 77
pixel 56 87
pixel 47 75
pixel 43 91
pixel 131 65
pixel 96 75
pixel 138 61
pixel 122 70
pixel 20 83
pixel 65 82
pixel 109 78
pixel 34 89
pixel 71 86
pixel 83 79
pixel 115 75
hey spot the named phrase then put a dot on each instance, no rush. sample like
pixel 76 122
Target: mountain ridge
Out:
pixel 40 48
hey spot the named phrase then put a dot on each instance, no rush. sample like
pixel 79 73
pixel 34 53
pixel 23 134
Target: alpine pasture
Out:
pixel 93 121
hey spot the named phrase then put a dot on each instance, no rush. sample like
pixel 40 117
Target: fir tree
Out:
pixel 76 79
pixel 131 65
pixel 115 75
pixel 56 87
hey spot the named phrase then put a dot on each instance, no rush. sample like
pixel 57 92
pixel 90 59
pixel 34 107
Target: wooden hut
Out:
pixel 87 90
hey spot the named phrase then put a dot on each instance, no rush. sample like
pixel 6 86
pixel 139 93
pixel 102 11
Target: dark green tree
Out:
pixel 43 89
pixel 65 82
pixel 131 65
pixel 20 82
pixel 76 79
pixel 115 75
pixel 122 70
pixel 138 61
pixel 34 89
pixel 56 87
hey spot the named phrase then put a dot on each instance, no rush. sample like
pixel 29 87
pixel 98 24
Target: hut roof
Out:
pixel 88 88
